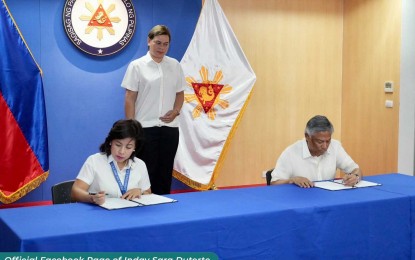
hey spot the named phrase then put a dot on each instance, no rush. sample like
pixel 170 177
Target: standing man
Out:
pixel 315 158
pixel 154 96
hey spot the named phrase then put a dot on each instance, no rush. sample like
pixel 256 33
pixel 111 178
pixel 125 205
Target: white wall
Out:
pixel 407 92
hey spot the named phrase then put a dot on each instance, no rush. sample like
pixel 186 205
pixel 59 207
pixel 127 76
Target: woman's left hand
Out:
pixel 132 194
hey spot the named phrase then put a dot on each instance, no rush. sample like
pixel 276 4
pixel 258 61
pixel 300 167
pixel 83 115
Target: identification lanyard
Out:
pixel 123 188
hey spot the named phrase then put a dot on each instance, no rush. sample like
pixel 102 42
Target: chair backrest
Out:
pixel 268 176
pixel 61 192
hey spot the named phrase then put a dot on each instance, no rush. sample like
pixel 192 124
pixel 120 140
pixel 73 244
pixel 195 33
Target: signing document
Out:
pixel 144 200
pixel 338 184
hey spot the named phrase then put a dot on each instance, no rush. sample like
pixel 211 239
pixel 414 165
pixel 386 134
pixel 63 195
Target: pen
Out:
pixel 350 174
pixel 94 193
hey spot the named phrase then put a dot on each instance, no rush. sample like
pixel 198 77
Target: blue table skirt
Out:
pixel 267 222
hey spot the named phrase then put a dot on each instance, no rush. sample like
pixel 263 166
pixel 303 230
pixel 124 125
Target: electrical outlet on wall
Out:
pixel 388 87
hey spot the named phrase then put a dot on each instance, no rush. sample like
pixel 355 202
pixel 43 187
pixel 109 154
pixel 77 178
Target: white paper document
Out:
pixel 118 203
pixel 152 199
pixel 144 200
pixel 338 185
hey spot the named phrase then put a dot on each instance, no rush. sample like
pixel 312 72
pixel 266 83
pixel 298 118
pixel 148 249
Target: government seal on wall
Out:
pixel 99 27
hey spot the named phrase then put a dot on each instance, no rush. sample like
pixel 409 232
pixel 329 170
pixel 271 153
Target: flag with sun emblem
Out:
pixel 24 162
pixel 219 83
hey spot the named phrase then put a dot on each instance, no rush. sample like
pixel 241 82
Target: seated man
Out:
pixel 315 158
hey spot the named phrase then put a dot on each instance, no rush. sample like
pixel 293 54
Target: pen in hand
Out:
pixel 95 193
pixel 348 180
pixel 97 197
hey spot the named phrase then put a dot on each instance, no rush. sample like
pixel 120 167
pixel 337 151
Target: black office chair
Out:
pixel 268 176
pixel 61 192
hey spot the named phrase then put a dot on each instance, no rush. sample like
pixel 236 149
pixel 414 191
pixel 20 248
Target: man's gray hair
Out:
pixel 318 124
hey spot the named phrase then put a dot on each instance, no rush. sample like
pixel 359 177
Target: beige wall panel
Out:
pixel 295 49
pixel 371 57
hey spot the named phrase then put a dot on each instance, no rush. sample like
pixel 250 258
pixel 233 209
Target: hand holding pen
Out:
pixel 351 179
pixel 97 198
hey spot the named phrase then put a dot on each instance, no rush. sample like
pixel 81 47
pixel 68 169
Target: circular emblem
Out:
pixel 99 28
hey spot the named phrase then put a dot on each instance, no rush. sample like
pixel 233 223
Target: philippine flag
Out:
pixel 24 162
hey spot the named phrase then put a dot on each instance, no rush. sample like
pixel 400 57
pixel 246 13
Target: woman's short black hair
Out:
pixel 159 30
pixel 125 128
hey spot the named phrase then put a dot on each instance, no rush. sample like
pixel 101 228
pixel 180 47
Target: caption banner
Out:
pixel 109 256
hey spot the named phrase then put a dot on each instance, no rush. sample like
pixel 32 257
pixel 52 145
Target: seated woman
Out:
pixel 114 171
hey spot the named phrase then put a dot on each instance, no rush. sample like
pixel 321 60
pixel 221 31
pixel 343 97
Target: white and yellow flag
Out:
pixel 220 82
